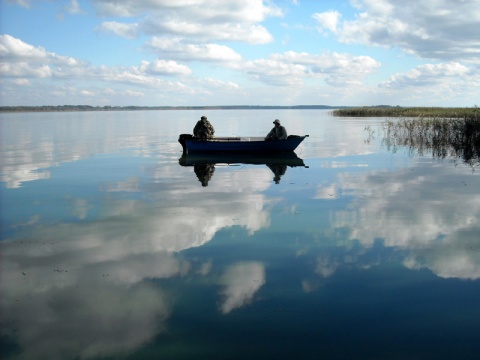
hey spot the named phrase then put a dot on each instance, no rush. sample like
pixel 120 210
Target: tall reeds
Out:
pixel 412 112
pixel 443 137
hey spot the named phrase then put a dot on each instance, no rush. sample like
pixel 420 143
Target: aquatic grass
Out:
pixel 441 136
pixel 411 112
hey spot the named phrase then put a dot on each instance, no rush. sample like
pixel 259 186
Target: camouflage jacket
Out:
pixel 203 129
pixel 277 133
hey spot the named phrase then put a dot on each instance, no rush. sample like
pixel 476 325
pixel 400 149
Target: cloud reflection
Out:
pixel 431 210
pixel 90 318
pixel 240 283
pixel 91 279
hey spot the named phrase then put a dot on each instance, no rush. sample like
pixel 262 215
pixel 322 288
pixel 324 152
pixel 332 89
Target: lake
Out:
pixel 114 246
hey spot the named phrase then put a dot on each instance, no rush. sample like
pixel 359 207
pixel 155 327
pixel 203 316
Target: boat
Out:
pixel 190 144
pixel 204 163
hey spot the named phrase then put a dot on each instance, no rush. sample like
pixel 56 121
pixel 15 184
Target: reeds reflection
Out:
pixel 442 137
pixel 204 164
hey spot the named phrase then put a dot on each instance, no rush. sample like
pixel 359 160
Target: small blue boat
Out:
pixel 191 144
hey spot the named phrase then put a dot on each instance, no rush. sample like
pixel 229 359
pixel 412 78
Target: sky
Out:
pixel 240 52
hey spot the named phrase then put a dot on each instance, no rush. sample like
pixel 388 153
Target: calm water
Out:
pixel 112 247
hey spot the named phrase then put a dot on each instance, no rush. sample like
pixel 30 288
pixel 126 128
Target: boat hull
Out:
pixel 239 145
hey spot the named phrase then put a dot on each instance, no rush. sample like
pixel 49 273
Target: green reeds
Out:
pixel 413 112
pixel 443 137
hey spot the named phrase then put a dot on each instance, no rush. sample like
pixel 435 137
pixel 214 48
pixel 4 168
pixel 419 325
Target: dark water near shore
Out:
pixel 112 248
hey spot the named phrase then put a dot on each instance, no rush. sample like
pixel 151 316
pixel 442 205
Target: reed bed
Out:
pixel 413 112
pixel 443 137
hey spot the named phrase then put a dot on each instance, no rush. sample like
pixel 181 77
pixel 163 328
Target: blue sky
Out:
pixel 240 52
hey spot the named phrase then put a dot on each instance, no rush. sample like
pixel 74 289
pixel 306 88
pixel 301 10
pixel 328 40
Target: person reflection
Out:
pixel 204 172
pixel 278 171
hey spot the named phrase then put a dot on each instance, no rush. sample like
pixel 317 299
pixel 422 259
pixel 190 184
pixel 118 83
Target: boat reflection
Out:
pixel 204 164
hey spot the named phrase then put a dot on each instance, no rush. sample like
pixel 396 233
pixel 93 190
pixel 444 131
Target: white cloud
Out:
pixel 20 81
pixel 277 73
pixel 164 67
pixel 328 20
pixel 212 10
pixel 249 33
pixel 24 69
pixel 445 82
pixel 217 84
pixel 429 74
pixel 292 68
pixel 24 60
pixel 176 48
pixel 128 31
pixel 87 93
pixel 435 29
pixel 206 21
pixel 16 49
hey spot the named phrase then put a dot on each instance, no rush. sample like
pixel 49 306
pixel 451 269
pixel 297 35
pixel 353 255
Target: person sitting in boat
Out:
pixel 278 132
pixel 203 129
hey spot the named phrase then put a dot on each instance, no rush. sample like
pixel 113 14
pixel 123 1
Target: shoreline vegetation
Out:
pixel 442 132
pixel 472 113
pixel 443 138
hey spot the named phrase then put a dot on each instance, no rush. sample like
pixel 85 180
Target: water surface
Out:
pixel 113 247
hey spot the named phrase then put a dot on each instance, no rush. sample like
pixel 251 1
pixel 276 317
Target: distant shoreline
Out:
pixel 65 108
pixel 345 111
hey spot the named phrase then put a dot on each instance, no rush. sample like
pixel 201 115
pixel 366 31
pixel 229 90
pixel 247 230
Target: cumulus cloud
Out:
pixel 26 62
pixel 235 20
pixel 176 48
pixel 292 68
pixel 437 29
pixel 234 10
pixel 253 34
pixel 277 73
pixel 164 67
pixel 429 74
pixel 24 69
pixel 328 20
pixel 128 31
pixel 445 82
pixel 12 48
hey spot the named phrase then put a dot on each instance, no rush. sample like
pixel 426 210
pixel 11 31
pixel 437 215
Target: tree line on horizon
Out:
pixel 47 108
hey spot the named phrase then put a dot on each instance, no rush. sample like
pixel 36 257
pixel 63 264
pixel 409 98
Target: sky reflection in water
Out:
pixel 111 247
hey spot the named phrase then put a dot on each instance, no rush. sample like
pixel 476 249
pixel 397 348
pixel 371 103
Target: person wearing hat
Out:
pixel 203 129
pixel 278 132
